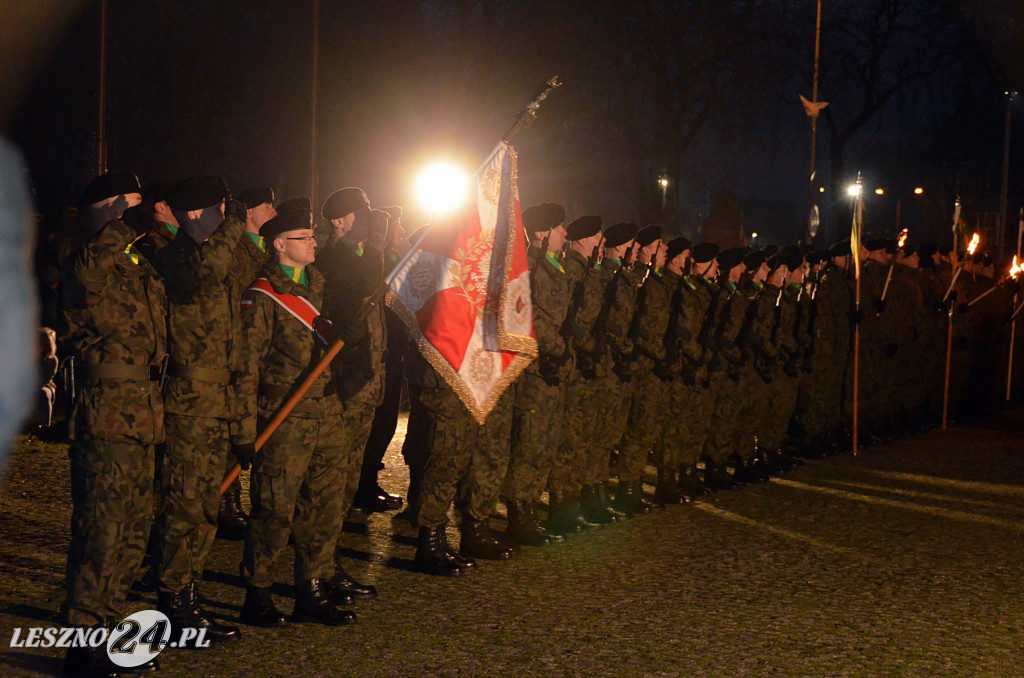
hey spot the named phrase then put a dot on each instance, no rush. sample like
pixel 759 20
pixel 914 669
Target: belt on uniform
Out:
pixel 203 374
pixel 117 371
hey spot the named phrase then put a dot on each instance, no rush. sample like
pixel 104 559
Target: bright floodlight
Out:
pixel 918 191
pixel 854 190
pixel 663 182
pixel 441 187
pixel 879 191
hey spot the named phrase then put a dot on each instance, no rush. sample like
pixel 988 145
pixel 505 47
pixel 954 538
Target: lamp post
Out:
pixel 663 182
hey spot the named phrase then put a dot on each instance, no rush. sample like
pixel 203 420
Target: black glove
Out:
pixel 234 208
pixel 245 454
pixel 962 309
pixel 880 307
pixel 856 317
pixel 136 219
pixel 890 350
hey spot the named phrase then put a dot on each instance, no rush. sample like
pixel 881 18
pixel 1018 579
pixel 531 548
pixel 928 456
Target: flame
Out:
pixel 1015 268
pixel 975 239
pixel 903 238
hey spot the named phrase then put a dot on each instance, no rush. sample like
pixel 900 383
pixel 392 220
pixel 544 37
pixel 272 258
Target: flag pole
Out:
pixel 1013 321
pixel 525 118
pixel 855 239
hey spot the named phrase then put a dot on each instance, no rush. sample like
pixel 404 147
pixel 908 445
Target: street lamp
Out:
pixel 663 182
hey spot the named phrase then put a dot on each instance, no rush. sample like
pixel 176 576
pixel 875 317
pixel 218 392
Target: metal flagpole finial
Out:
pixel 529 113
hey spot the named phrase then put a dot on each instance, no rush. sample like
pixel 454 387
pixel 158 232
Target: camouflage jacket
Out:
pixel 114 305
pixel 351 278
pixel 620 298
pixel 834 300
pixel 204 323
pixel 278 352
pixel 651 318
pixel 588 287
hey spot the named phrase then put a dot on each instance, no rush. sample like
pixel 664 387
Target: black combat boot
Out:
pixel 373 499
pixel 630 500
pixel 641 498
pixel 478 542
pixel 594 504
pixel 522 526
pixel 666 492
pixel 214 630
pixel 232 521
pixel 94 662
pixel 716 477
pixel 313 604
pixel 691 486
pixel 344 588
pixel 562 515
pixel 433 556
pixel 606 498
pixel 179 610
pixel 259 609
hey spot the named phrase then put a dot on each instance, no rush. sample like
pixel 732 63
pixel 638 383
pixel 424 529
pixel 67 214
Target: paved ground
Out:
pixel 903 561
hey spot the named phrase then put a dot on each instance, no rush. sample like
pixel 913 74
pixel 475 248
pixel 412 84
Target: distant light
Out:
pixel 854 190
pixel 879 191
pixel 663 182
pixel 918 191
pixel 441 187
pixel 753 236
pixel 821 189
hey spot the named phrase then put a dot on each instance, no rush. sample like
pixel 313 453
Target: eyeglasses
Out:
pixel 303 238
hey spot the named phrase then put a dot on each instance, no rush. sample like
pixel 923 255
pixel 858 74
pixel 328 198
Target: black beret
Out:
pixel 676 246
pixel 254 197
pixel 619 234
pixel 927 249
pixel 109 185
pixel 300 203
pixel 730 258
pixel 291 220
pixel 817 256
pixel 753 260
pixel 196 193
pixel 584 227
pixel 791 257
pixel 909 250
pixel 343 202
pixel 156 192
pixel 769 250
pixel 394 211
pixel 872 244
pixel 944 249
pixel 543 217
pixel 648 234
pixel 840 249
pixel 704 252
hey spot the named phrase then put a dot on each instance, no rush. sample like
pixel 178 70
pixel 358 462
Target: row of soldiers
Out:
pixel 193 316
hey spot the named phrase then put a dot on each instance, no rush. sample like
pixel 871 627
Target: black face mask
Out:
pixel 202 228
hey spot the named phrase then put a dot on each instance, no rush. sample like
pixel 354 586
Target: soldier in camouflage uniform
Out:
pixel 353 266
pixel 250 257
pixel 539 391
pixel 466 458
pixel 114 306
pixel 203 341
pixel 648 407
pixel 297 474
pixel 581 447
pixel 692 399
pixel 612 352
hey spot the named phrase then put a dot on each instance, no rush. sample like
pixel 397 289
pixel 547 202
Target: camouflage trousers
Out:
pixel 111 495
pixel 295 482
pixel 722 438
pixel 356 422
pixel 466 459
pixel 686 425
pixel 579 450
pixel 535 437
pixel 644 425
pixel 193 466
pixel 821 395
pixel 614 399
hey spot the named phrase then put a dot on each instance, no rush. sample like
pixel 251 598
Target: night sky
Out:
pixel 706 95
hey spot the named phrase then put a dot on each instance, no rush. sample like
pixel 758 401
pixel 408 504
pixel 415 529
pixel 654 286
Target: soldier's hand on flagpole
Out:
pixel 245 454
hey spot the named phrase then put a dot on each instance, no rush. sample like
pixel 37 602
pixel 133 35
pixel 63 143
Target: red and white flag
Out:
pixel 463 291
